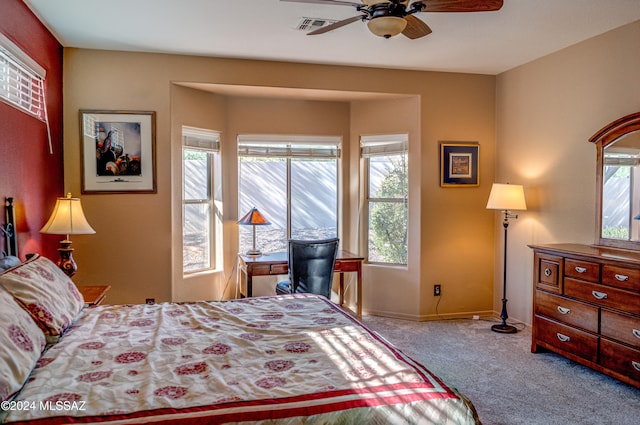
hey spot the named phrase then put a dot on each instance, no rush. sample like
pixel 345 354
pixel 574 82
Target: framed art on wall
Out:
pixel 118 151
pixel 459 164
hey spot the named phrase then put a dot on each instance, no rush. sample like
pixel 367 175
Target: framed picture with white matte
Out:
pixel 459 164
pixel 118 151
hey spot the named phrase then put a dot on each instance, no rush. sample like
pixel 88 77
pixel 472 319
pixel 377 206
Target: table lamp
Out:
pixel 67 219
pixel 506 197
pixel 254 218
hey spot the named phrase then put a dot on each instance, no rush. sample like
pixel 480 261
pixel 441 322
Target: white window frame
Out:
pixel 293 147
pixel 207 141
pixel 22 82
pixel 381 145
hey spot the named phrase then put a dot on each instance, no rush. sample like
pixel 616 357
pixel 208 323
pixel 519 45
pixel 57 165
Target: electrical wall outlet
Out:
pixel 150 301
pixel 436 290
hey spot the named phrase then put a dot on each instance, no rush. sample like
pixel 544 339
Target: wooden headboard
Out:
pixel 9 229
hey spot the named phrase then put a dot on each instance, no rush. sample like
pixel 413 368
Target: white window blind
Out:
pixel 621 161
pixel 387 144
pixel 21 80
pixel 289 146
pixel 199 139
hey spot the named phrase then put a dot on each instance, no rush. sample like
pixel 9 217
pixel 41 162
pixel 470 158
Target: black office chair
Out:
pixel 311 266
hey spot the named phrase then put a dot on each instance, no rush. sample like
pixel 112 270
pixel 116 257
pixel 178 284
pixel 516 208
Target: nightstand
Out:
pixel 94 295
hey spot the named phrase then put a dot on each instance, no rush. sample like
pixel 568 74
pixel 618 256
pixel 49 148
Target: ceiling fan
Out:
pixel 387 18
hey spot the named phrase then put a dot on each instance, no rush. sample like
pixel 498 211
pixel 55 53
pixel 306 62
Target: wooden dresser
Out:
pixel 587 307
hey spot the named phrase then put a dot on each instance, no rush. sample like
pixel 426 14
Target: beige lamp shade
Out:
pixel 506 197
pixel 387 26
pixel 67 219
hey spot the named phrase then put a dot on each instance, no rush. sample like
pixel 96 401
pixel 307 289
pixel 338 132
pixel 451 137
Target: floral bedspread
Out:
pixel 284 360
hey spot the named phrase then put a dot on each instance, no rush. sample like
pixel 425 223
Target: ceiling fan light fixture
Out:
pixel 387 26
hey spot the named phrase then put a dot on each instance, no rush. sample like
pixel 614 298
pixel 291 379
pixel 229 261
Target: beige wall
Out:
pixel 390 290
pixel 136 241
pixel 457 231
pixel 546 112
pixel 193 108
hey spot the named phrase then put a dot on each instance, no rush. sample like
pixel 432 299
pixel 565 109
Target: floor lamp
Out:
pixel 506 197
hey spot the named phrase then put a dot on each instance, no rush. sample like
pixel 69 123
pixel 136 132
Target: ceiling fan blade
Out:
pixel 457 5
pixel 336 2
pixel 415 28
pixel 335 25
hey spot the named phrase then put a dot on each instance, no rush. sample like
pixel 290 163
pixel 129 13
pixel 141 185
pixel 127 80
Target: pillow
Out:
pixel 46 292
pixel 21 342
pixel 8 262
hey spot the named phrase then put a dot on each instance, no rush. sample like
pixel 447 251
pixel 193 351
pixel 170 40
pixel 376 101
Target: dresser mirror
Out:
pixel 618 183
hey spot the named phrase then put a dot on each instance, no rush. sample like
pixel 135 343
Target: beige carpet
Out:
pixel 507 383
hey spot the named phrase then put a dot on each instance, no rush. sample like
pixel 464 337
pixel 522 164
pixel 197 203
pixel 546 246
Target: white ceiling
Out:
pixel 485 43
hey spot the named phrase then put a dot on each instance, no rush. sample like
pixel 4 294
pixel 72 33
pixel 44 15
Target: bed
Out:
pixel 279 360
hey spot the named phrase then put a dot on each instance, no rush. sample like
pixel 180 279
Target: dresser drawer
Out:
pixel 601 295
pixel 621 327
pixel 566 338
pixel 567 311
pixel 620 358
pixel 580 269
pixel 548 272
pixel 621 277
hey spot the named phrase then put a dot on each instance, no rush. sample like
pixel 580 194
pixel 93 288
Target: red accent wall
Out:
pixel 28 172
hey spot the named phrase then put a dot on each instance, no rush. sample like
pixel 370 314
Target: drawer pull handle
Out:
pixel 599 295
pixel 622 278
pixel 547 272
pixel 564 310
pixel 562 337
pixel 636 332
pixel 635 365
pixel 581 269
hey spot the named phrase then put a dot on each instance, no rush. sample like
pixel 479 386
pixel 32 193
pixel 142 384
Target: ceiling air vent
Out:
pixel 310 24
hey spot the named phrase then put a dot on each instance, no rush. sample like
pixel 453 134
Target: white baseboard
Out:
pixel 427 317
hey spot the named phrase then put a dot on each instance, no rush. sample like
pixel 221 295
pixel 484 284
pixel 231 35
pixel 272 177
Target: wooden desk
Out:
pixel 93 295
pixel 277 263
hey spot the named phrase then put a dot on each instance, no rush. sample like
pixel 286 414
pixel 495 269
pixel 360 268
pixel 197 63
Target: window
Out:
pixel 293 182
pixel 385 159
pixel 21 80
pixel 201 193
